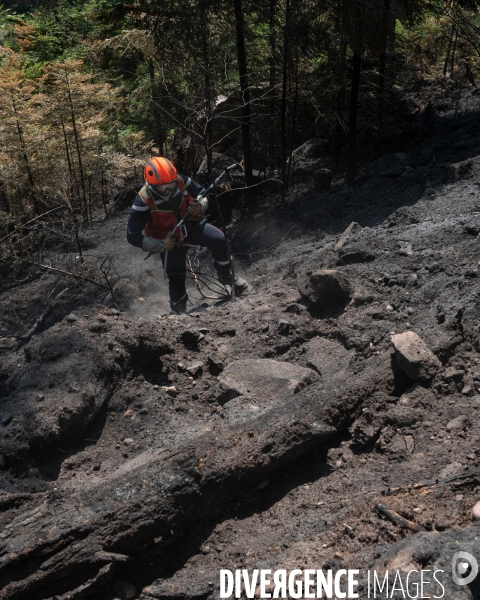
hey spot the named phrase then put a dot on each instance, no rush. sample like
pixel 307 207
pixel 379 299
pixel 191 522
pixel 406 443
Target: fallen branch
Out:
pixel 397 519
pixel 84 277
pixel 59 544
pixel 32 221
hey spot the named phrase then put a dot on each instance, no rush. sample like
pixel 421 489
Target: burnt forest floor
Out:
pixel 413 260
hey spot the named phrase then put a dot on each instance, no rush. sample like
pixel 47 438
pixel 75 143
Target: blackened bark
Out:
pixel 243 74
pixel 352 121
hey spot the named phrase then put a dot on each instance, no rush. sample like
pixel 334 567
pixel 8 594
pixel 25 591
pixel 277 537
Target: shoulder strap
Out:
pixel 146 196
pixel 182 185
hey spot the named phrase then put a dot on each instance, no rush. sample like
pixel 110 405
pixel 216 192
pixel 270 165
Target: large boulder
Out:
pixel 326 288
pixel 308 157
pixel 414 357
pixel 329 359
pixel 264 378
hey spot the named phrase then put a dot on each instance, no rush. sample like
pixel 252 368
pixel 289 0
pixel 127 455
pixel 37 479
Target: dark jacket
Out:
pixel 140 212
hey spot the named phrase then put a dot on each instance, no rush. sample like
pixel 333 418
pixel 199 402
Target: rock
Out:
pixel 283 327
pixel 195 368
pixel 172 391
pixel 322 180
pixel 414 357
pixel 143 411
pixel 97 327
pixel 8 343
pixel 125 293
pixel 325 289
pixel 307 157
pixel 330 359
pixel 40 397
pixel 405 248
pixel 215 362
pixel 115 312
pixel 71 318
pixel 125 590
pixel 191 337
pixel 458 423
pixel 450 470
pixel 410 443
pixel 265 378
pixel 128 441
pixel 476 511
pixel 6 419
pixel 129 414
pixel 467 390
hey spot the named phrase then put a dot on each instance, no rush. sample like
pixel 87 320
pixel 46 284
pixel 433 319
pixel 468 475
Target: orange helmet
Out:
pixel 159 170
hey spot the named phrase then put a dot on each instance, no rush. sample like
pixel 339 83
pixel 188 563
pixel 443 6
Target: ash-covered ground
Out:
pixel 141 453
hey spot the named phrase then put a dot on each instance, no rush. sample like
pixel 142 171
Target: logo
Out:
pixel 464 568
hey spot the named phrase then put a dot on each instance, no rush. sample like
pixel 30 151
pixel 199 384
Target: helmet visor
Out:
pixel 165 188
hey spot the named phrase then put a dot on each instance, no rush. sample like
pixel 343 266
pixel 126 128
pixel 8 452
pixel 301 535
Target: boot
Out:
pixel 225 278
pixel 180 307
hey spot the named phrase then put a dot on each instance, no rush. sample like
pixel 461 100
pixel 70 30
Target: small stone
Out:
pixel 181 366
pixel 471 456
pixel 97 327
pixel 476 511
pixel 6 419
pixel 206 550
pixel 338 464
pixel 215 361
pixel 195 368
pixel 283 327
pixel 414 357
pixel 417 510
pixel 172 391
pixel 143 411
pixel 476 385
pixel 128 441
pixel 114 311
pixel 125 590
pixel 410 310
pixel 410 443
pixel 71 318
pixel 117 446
pixel 156 387
pixel 458 423
pixel 389 307
pixel 129 414
pixel 40 397
pixel 459 497
pixel 338 555
pixel 363 461
pixel 467 390
pixel 96 466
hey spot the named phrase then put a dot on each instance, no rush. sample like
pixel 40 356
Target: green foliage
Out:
pixel 163 74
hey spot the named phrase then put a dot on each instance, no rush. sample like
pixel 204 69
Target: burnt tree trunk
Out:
pixel 243 74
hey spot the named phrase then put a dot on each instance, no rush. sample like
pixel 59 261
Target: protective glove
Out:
pixel 169 242
pixel 151 245
pixel 198 207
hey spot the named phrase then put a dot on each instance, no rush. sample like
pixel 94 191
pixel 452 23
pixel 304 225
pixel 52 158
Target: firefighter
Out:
pixel 163 201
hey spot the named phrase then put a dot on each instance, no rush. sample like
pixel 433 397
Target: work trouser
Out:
pixel 199 234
